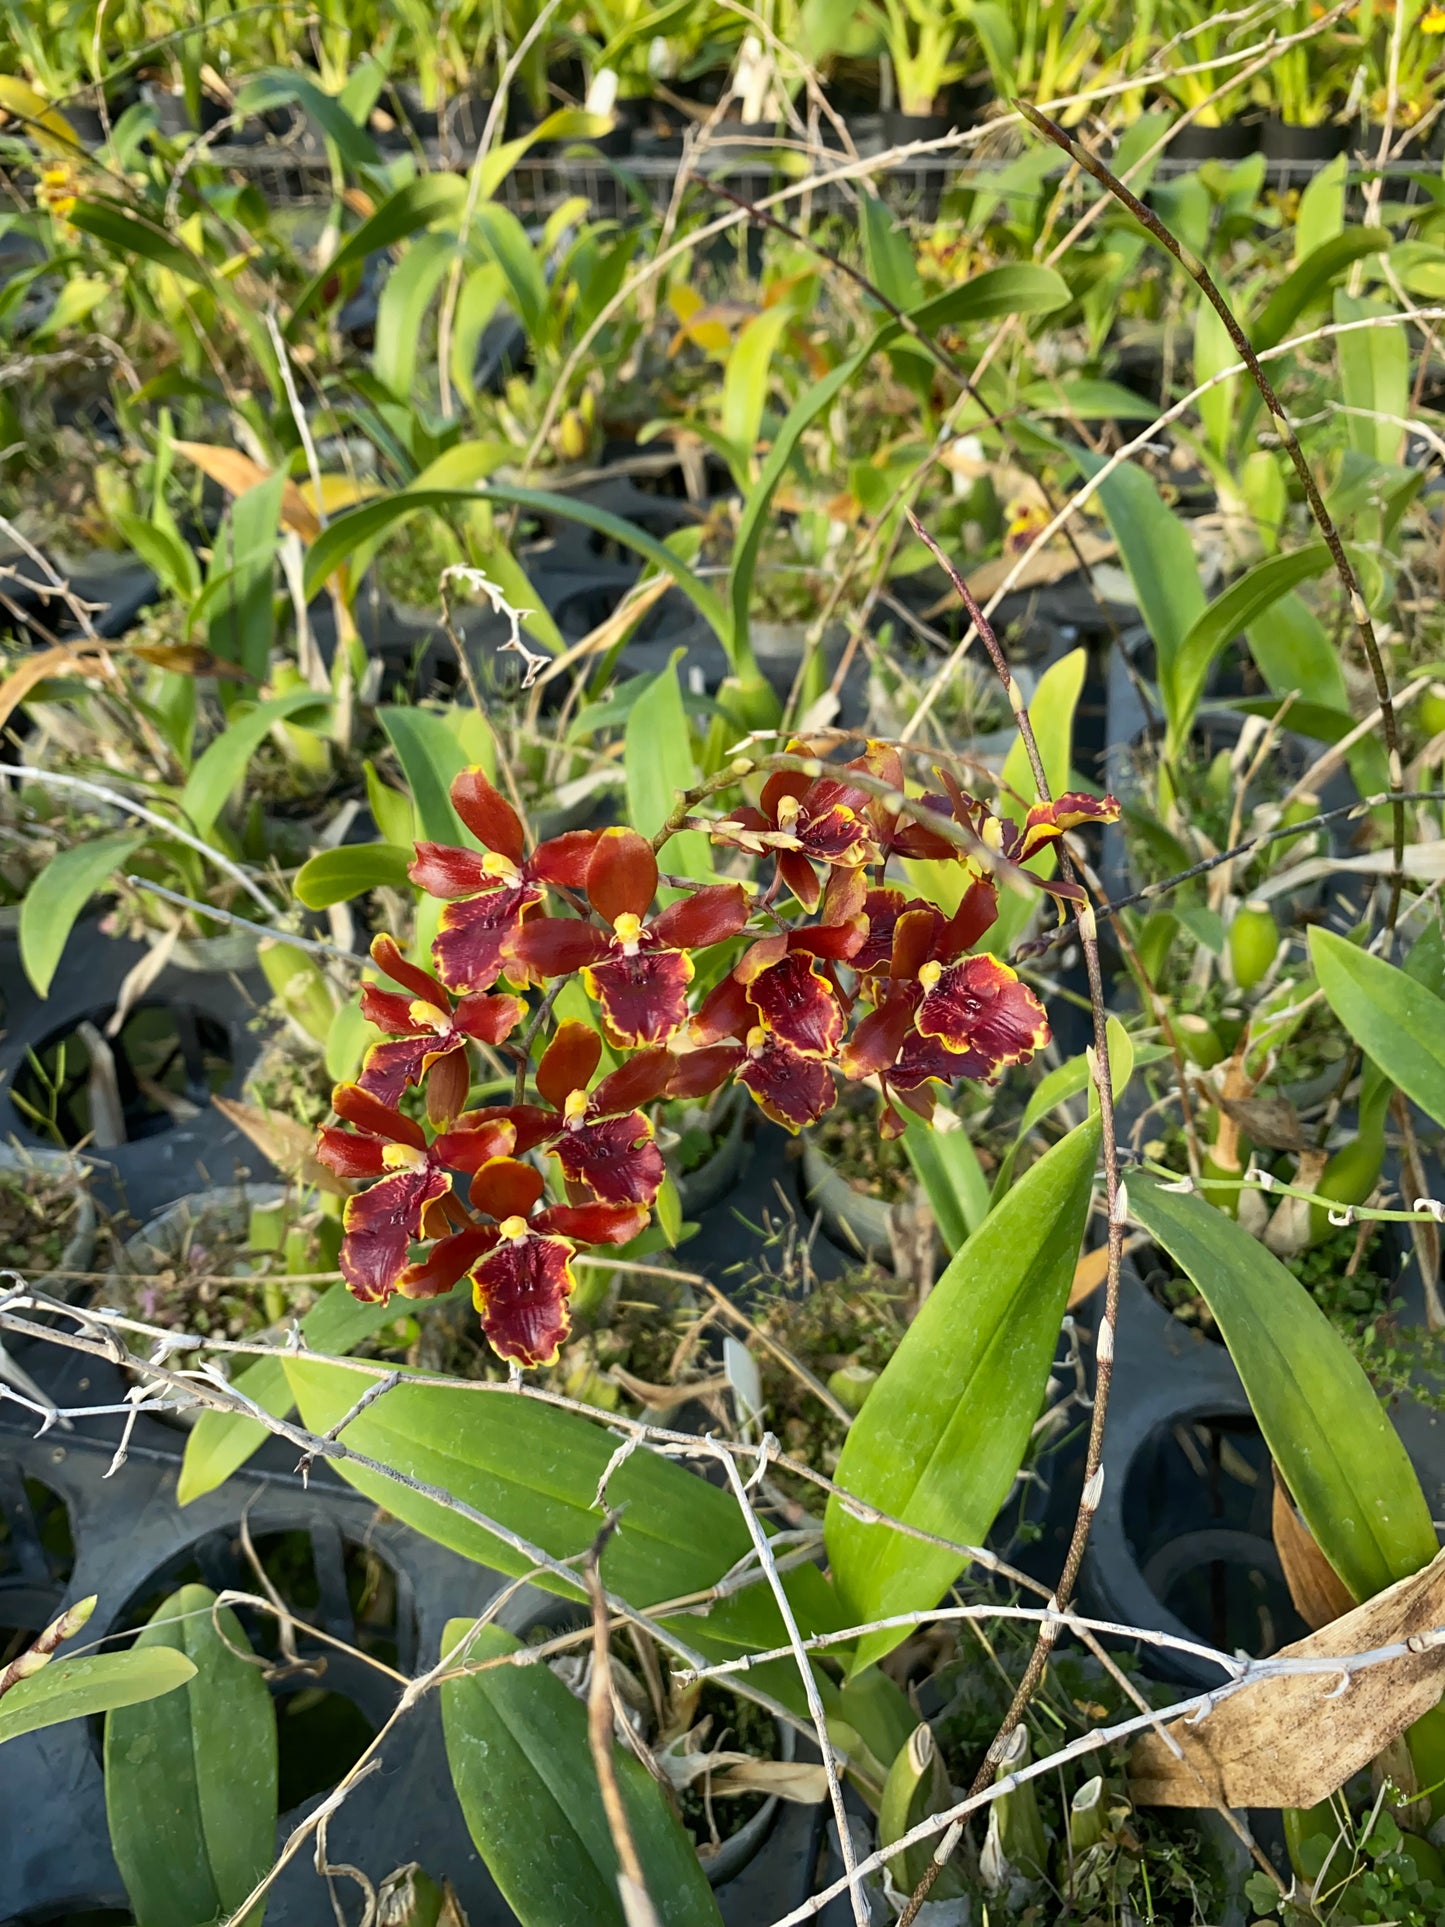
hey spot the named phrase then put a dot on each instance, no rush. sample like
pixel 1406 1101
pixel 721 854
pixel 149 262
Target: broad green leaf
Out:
pixel 563 124
pixel 277 86
pixel 1155 548
pixel 1310 280
pixel 190 1779
pixel 416 204
pixel 128 234
pixel 335 876
pixel 74 1689
pixel 58 895
pixel 221 766
pixel 1085 398
pixel 395 814
pixel 170 559
pixel 946 1165
pixel 1246 601
pixel 1214 352
pixel 221 1442
pixel 658 758
pixel 77 300
pixel 1374 378
pixel 517 1746
pixel 1396 1021
pixel 534 1470
pixel 346 533
pixel 1326 1430
pixel 242 619
pixel 513 253
pixel 1018 289
pixel 1051 712
pixel 888 252
pixel 745 382
pixel 401 311
pixel 1321 215
pixel 482 292
pixel 1294 654
pixel 430 757
pixel 945 1429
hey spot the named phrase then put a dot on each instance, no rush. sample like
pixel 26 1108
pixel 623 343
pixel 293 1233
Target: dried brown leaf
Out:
pixel 1319 1594
pixel 34 670
pixel 285 1143
pixel 1291 1740
pixel 1270 1121
pixel 236 472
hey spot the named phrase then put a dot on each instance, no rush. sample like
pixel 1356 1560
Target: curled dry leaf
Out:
pixel 792 1780
pixel 286 1143
pixel 1291 1740
pixel 1319 1594
pixel 1270 1121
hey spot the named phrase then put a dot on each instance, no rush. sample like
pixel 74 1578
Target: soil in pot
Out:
pixel 874 1169
pixel 1148 1863
pixel 226 1264
pixel 842 1333
pixel 40 1213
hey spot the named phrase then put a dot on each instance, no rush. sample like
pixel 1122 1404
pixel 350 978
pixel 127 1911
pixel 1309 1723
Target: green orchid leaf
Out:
pixel 58 895
pixel 1397 1022
pixel 190 1778
pixel 945 1429
pixel 74 1689
pixel 518 1749
pixel 336 876
pixel 1327 1431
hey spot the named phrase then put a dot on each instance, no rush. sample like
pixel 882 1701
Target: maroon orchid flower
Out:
pixel 791 1086
pixel 979 1009
pixel 602 1141
pixel 521 1263
pixel 803 820
pixel 898 832
pixel 639 974
pixel 1045 823
pixel 427 1035
pixel 406 1204
pixel 491 890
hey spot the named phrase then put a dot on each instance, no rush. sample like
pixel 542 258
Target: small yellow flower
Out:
pixel 57 189
pixel 1433 19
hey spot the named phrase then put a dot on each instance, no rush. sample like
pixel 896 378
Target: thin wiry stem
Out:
pixel 1359 611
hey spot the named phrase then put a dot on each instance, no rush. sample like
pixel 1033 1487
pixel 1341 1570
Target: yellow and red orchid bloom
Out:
pixel 407 1202
pixel 520 1263
pixel 803 820
pixel 491 890
pixel 898 832
pixel 981 1013
pixel 602 1141
pixel 427 1035
pixel 639 973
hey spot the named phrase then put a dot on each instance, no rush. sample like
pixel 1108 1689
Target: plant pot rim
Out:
pixel 79 1250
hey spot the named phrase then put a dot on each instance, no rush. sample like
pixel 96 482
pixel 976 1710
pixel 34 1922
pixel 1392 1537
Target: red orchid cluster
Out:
pixel 867 984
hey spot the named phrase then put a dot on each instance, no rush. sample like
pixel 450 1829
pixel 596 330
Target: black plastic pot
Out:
pixel 194 1030
pixel 1235 140
pixel 1292 145
pixel 1180 1543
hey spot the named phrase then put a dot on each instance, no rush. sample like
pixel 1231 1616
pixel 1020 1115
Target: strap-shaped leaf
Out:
pixel 58 895
pixel 1346 1469
pixel 222 764
pixel 946 1427
pixel 190 1778
pixel 336 876
pixel 1396 1021
pixel 73 1689
pixel 517 1747
pixel 535 1471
